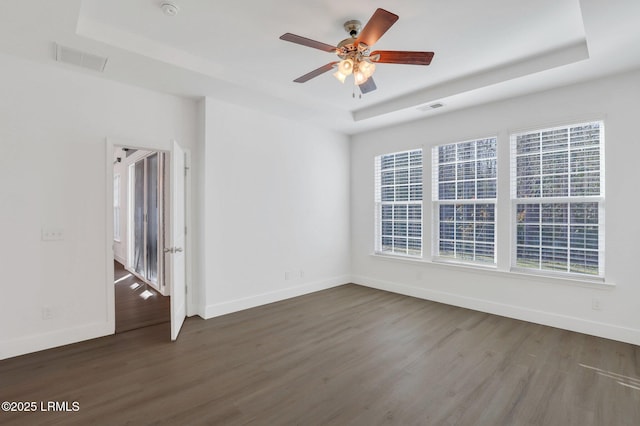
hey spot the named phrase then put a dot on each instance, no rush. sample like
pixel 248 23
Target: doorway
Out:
pixel 140 217
pixel 173 247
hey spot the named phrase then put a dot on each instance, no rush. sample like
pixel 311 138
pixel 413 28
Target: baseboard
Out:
pixel 580 325
pixel 21 346
pixel 236 305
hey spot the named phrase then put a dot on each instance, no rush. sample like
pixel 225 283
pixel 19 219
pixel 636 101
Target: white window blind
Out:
pixel 398 203
pixel 557 181
pixel 464 195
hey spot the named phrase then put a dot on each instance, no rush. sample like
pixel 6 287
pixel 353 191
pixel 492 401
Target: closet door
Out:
pixel 153 216
pixel 139 223
pixel 146 219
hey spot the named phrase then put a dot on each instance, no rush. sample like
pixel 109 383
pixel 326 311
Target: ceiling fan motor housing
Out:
pixel 348 49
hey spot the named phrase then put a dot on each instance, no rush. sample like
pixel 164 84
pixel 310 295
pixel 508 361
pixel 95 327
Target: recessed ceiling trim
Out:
pixel 146 47
pixel 558 57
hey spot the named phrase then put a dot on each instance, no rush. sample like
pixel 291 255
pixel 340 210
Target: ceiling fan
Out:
pixel 355 54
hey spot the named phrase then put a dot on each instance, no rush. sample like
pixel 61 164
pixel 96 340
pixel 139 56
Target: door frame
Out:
pixel 110 144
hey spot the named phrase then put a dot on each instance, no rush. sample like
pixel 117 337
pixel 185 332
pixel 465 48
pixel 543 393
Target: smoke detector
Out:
pixel 169 9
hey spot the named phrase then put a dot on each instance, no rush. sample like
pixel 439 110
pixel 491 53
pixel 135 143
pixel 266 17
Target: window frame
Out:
pixel 569 200
pixel 457 202
pixel 408 220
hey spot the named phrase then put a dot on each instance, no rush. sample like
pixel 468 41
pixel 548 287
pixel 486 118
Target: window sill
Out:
pixel 594 283
pixel 399 258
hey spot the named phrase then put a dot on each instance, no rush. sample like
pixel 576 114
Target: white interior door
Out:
pixel 176 252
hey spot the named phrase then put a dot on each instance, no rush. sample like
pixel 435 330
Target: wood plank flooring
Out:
pixel 132 311
pixel 344 356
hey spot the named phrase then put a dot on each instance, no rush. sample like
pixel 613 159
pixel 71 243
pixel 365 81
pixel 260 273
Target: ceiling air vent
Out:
pixel 80 58
pixel 430 107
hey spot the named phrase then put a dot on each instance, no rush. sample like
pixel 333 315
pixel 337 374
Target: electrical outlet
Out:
pixel 47 313
pixel 294 275
pixel 596 304
pixel 52 234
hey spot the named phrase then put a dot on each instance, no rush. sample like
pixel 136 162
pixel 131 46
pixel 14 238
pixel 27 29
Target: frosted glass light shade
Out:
pixel 359 77
pixel 367 68
pixel 346 66
pixel 339 76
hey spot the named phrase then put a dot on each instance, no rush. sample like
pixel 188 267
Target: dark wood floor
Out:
pixel 132 311
pixel 345 356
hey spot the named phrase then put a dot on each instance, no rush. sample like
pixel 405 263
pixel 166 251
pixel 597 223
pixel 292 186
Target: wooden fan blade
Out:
pixel 307 42
pixel 379 23
pixel 402 57
pixel 368 86
pixel 315 73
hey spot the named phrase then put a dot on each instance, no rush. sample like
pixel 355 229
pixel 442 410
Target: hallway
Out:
pixel 137 305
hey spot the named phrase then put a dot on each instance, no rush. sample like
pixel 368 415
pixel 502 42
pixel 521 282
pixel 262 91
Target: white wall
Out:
pixel 53 157
pixel 554 302
pixel 270 209
pixel 273 213
pixel 276 196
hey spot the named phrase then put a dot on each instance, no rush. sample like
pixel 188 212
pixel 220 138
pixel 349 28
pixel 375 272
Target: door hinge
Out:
pixel 173 250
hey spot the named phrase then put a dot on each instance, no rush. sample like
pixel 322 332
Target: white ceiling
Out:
pixel 230 50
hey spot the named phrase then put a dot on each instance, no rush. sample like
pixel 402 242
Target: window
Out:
pixel 398 203
pixel 464 195
pixel 116 207
pixel 557 183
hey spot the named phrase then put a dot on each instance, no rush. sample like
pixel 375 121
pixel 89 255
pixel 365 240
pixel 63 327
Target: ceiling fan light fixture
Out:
pixel 367 68
pixel 338 75
pixel 360 77
pixel 346 66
